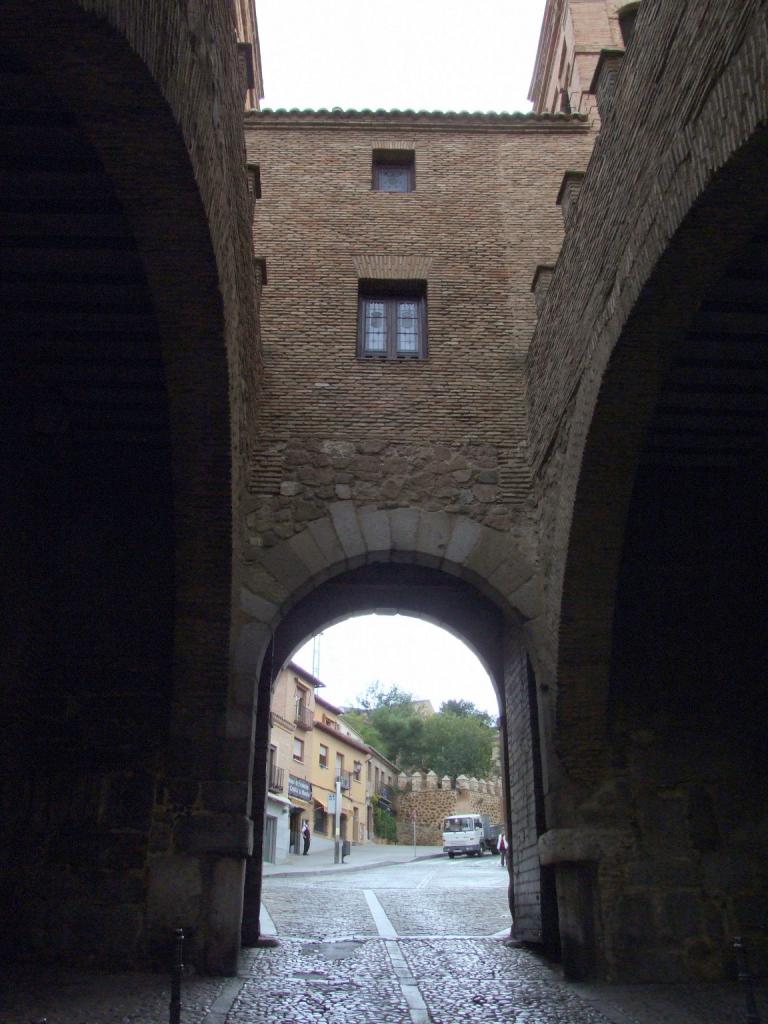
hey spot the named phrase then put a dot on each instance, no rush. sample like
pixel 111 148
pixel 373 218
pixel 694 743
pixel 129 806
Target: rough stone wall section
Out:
pixel 431 806
pixel 467 477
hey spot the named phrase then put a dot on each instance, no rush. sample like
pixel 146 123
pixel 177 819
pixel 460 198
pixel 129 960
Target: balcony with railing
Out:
pixel 346 779
pixel 303 717
pixel 276 779
pixel 385 792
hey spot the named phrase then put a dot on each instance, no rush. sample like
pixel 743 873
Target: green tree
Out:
pixel 458 740
pixel 376 697
pixel 457 745
pixel 466 709
pixel 401 729
pixel 362 724
pixel 388 721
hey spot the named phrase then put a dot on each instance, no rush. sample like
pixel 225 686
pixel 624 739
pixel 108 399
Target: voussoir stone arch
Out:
pixel 447 568
pixel 350 536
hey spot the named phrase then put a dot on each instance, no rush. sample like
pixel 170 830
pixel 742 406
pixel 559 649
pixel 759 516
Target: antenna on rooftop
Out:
pixel 316 654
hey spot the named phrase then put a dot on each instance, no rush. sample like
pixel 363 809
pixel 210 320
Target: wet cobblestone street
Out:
pixel 416 943
pixel 458 979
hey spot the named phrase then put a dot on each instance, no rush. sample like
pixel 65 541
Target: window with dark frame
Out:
pixel 392 320
pixel 254 181
pixel 323 756
pixel 393 170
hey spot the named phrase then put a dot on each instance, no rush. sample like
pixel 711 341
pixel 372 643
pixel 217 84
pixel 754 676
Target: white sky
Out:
pixel 399 54
pixel 398 650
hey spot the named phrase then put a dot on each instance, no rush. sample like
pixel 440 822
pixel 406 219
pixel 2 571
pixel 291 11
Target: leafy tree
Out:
pixel 362 724
pixel 401 729
pixel 388 721
pixel 377 697
pixel 457 744
pixel 457 740
pixel 466 709
pixel 384 822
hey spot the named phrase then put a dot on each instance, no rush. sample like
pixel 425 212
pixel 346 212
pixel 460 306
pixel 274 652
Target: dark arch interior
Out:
pixel 87 540
pixel 394 587
pixel 688 695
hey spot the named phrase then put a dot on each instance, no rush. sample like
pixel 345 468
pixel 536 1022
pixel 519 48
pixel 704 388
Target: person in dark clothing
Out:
pixel 305 836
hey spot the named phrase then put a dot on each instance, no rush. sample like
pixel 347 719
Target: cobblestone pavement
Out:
pixel 304 909
pixel 440 912
pixel 457 979
pixel 413 944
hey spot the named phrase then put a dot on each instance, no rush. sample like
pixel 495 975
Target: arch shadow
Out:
pixel 128 209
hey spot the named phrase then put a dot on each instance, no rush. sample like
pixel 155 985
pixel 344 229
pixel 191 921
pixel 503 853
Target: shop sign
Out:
pixel 299 788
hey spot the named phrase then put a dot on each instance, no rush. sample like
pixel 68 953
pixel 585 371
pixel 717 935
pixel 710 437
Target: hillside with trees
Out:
pixel 456 740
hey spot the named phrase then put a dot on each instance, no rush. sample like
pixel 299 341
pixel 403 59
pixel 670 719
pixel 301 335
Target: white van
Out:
pixel 467 833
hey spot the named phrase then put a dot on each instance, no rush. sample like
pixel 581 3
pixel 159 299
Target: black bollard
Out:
pixel 753 1017
pixel 174 1012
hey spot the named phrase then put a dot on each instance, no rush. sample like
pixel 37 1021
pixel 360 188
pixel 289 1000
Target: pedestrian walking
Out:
pixel 501 846
pixel 305 836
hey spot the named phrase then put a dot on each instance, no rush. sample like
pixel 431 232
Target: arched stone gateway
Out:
pixel 130 300
pixel 449 570
pixel 650 488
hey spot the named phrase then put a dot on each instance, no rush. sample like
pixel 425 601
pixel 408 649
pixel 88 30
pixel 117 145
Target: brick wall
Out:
pixel 152 95
pixel 672 191
pixel 445 433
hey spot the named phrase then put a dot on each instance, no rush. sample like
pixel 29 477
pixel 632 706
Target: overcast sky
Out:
pixel 399 55
pixel 398 650
pixel 402 54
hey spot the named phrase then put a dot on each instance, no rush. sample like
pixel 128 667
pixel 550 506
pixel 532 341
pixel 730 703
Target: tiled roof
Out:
pixel 489 116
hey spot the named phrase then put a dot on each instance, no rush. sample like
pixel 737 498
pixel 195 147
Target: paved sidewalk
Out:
pixel 319 860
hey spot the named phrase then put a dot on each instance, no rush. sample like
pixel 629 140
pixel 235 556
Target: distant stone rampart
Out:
pixel 425 799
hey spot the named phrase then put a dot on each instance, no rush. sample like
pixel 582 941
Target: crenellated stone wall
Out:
pixel 432 800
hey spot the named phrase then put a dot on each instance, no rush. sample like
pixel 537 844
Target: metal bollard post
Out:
pixel 753 1017
pixel 174 1011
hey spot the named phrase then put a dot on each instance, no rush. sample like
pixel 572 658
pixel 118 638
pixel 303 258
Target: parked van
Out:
pixel 469 833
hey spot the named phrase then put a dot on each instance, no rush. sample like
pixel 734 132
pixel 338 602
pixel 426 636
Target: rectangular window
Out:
pixel 254 181
pixel 358 767
pixel 392 319
pixel 394 170
pixel 323 756
pixel 298 749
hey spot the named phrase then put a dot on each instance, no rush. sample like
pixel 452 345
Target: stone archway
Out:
pixel 450 570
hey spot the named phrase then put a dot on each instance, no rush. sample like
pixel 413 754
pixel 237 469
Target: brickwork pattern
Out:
pixel 682 135
pixel 676 142
pixel 155 91
pixel 445 433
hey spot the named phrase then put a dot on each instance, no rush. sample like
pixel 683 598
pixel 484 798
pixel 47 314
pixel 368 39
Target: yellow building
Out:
pixel 338 752
pixel 290 799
